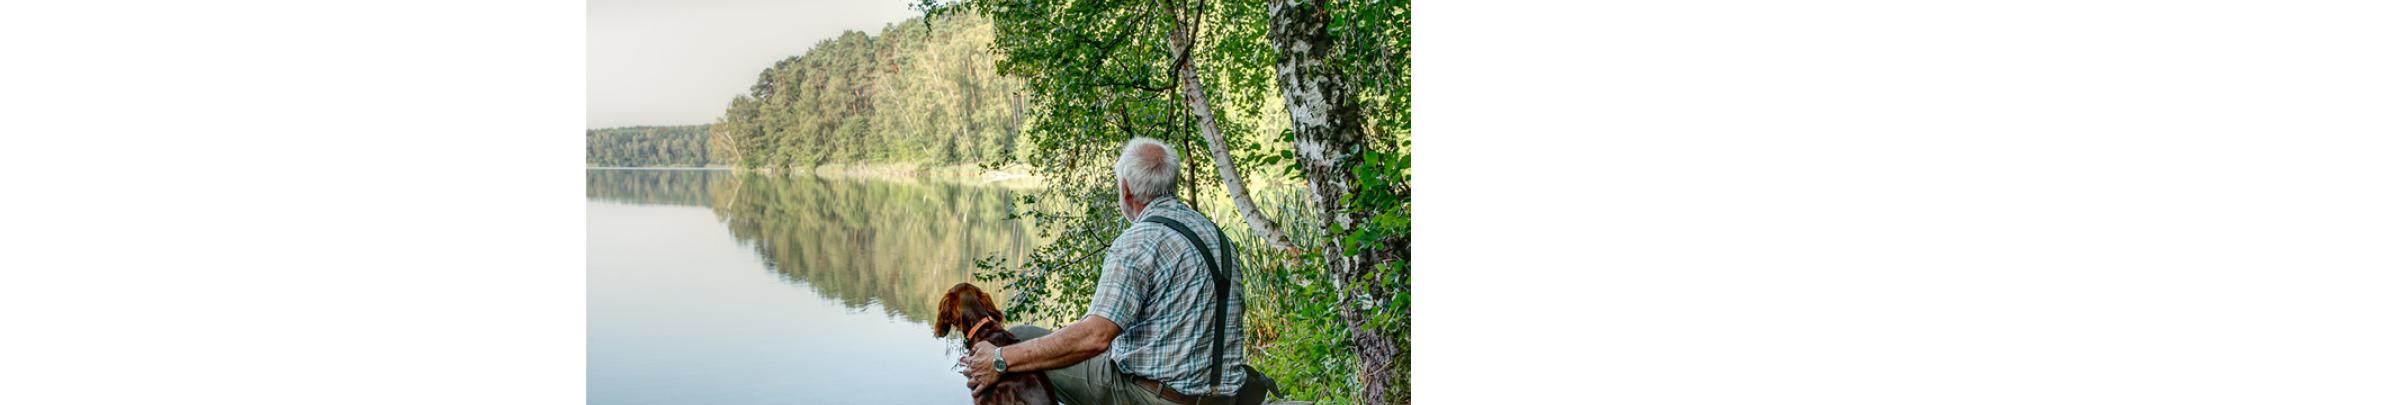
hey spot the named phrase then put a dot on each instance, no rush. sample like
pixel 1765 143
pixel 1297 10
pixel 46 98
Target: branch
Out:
pixel 1197 98
pixel 1122 117
pixel 1144 85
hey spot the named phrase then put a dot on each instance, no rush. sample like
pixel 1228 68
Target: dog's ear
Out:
pixel 948 314
pixel 985 303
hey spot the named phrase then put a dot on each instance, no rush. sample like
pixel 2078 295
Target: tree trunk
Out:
pixel 1197 96
pixel 1328 135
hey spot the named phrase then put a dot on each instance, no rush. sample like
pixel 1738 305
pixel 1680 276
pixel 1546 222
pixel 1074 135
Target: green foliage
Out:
pixel 1099 72
pixel 919 92
pixel 647 146
pixel 1372 51
pixel 1383 178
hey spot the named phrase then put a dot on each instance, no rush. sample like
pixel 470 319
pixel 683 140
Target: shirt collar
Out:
pixel 1153 207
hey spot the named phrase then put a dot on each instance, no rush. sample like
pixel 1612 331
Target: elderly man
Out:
pixel 1164 327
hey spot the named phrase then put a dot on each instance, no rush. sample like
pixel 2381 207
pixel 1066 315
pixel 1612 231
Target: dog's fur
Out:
pixel 961 308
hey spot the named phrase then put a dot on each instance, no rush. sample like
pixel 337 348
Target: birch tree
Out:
pixel 1329 139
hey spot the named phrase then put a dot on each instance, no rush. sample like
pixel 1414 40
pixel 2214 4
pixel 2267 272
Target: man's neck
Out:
pixel 1152 206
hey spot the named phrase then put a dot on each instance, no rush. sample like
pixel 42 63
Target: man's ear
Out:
pixel 949 311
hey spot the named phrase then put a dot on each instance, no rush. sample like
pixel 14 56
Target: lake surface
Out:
pixel 714 287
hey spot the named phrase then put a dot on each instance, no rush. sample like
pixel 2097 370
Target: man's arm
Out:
pixel 1072 344
pixel 1116 297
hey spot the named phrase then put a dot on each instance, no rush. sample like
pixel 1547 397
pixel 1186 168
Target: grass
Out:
pixel 1296 336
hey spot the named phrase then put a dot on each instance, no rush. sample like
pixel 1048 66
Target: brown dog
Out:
pixel 969 310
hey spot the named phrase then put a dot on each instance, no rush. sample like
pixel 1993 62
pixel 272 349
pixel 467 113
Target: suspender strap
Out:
pixel 1219 273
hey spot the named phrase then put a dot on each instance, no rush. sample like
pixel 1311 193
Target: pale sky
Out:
pixel 655 62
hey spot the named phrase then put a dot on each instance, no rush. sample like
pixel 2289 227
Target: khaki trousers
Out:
pixel 1097 381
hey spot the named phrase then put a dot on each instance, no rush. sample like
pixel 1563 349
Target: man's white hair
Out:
pixel 1148 168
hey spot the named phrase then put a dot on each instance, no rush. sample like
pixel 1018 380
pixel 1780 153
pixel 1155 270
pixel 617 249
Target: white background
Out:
pixel 299 202
pixel 1704 202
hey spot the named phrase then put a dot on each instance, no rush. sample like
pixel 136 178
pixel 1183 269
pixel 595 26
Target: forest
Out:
pixel 917 92
pixel 647 146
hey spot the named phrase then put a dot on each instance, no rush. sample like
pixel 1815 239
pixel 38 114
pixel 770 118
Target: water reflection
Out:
pixel 897 243
pixel 649 187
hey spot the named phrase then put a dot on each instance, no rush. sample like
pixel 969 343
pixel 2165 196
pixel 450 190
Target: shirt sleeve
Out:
pixel 1123 279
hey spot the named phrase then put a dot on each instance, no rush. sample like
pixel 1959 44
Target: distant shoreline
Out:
pixel 655 168
pixel 889 171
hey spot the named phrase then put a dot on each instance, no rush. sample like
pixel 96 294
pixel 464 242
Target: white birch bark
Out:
pixel 1327 136
pixel 1196 95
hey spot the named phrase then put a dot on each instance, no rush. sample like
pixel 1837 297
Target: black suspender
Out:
pixel 1220 274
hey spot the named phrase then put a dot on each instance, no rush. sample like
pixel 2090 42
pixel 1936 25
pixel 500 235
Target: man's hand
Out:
pixel 980 375
pixel 1072 344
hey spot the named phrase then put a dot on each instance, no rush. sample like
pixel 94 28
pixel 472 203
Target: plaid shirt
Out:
pixel 1157 290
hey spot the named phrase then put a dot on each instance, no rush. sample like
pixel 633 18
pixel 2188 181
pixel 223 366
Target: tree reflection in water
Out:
pixel 899 243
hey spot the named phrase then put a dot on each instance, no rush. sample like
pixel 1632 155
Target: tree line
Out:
pixel 917 92
pixel 647 146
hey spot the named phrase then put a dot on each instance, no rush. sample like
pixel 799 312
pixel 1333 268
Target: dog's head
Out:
pixel 962 307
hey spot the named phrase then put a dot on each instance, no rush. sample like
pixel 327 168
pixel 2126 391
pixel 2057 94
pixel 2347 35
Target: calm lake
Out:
pixel 715 287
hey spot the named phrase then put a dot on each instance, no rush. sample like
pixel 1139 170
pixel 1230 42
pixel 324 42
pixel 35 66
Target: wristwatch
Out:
pixel 999 364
